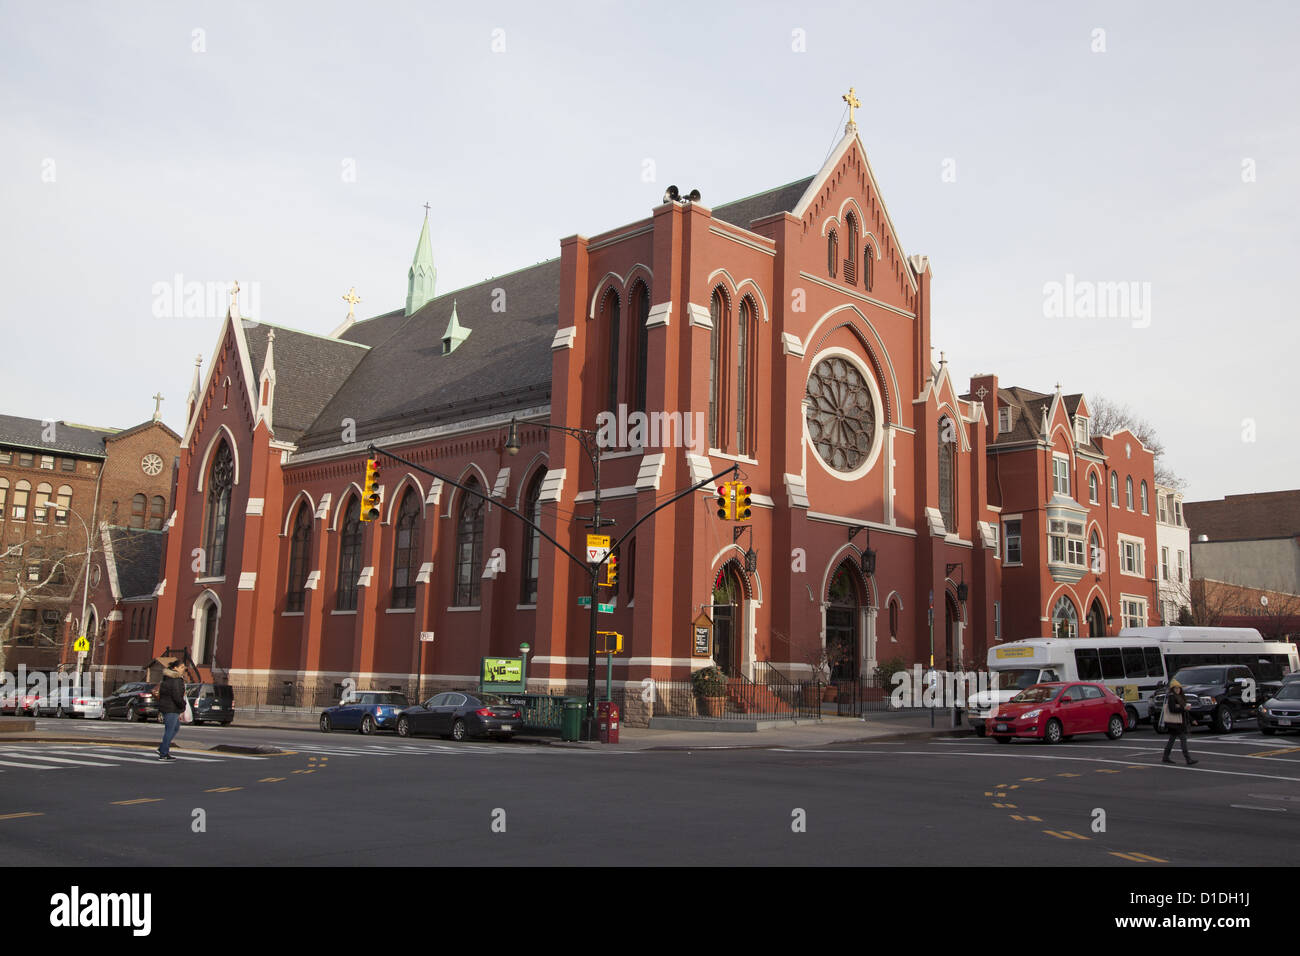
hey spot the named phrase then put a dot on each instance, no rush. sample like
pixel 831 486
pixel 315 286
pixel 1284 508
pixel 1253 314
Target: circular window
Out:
pixel 840 411
pixel 151 465
pixel 94 576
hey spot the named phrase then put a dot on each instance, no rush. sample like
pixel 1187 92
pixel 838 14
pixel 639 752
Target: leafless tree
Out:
pixel 38 572
pixel 1108 417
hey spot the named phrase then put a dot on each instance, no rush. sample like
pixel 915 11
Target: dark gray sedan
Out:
pixel 460 714
pixel 1283 711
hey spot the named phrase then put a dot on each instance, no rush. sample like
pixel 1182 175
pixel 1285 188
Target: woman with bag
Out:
pixel 1175 720
pixel 172 705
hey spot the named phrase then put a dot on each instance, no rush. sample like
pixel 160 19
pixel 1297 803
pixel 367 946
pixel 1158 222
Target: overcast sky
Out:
pixel 293 146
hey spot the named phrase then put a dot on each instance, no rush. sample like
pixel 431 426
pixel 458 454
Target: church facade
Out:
pixel 786 334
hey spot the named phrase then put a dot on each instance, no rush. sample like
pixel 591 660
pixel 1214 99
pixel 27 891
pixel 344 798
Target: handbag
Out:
pixel 187 715
pixel 1170 717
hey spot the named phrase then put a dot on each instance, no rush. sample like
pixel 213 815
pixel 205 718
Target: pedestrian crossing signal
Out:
pixel 370 496
pixel 609 642
pixel 726 500
pixel 742 501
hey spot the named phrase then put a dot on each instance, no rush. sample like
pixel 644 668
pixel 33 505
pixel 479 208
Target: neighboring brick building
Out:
pixel 791 323
pixel 1250 540
pixel 92 475
pixel 1077 516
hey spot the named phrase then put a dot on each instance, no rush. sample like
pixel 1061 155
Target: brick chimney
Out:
pixel 988 384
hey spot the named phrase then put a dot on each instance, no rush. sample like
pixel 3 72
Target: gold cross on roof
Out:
pixel 352 299
pixel 853 101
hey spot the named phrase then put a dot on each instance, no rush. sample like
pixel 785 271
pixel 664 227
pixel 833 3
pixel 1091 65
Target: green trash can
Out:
pixel 571 724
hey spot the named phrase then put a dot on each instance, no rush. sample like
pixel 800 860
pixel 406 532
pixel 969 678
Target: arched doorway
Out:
pixel 843 612
pixel 205 633
pixel 951 622
pixel 1065 619
pixel 1096 619
pixel 728 608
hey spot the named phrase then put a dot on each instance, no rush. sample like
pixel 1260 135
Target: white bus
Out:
pixel 1133 665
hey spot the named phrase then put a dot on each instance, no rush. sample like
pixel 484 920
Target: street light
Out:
pixel 586 437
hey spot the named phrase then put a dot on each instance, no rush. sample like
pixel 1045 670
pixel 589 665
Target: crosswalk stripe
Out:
pixel 103 756
pixel 199 759
pixel 82 763
pixel 27 766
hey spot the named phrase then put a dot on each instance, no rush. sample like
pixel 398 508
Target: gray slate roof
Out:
pixel 742 212
pixel 308 370
pixel 377 330
pixel 69 439
pixel 405 382
pixel 137 558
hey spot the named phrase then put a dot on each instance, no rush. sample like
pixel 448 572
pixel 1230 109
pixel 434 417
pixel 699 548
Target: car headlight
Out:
pixel 1032 714
pixel 1263 709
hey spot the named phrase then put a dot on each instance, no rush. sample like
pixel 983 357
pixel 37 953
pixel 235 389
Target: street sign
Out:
pixel 597 547
pixel 584 601
pixel 605 608
pixel 82 644
pixel 426 637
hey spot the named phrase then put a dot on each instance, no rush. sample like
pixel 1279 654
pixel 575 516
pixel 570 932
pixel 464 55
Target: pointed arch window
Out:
pixel 532 539
pixel 469 547
pixel 299 552
pixel 1096 554
pixel 832 253
pixel 718 314
pixel 947 474
pixel 613 319
pixel 1093 491
pixel 1146 501
pixel 1114 489
pixel 867 261
pixel 349 557
pixel 851 250
pixel 745 335
pixel 220 481
pixel 406 550
pixel 641 314
pixel 138 505
pixel 1128 492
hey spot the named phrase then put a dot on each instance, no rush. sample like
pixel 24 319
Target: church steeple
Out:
pixel 422 277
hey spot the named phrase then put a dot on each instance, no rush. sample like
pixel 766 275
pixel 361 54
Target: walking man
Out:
pixel 171 704
pixel 1175 718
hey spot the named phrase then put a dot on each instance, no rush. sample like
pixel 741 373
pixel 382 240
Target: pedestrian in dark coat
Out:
pixel 1176 722
pixel 171 704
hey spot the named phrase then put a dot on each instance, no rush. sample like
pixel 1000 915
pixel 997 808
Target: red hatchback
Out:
pixel 1056 712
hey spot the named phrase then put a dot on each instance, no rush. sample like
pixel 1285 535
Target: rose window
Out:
pixel 841 414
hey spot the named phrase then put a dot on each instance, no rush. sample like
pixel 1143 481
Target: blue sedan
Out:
pixel 365 713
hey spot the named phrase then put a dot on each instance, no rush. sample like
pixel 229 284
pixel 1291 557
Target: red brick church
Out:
pixel 789 328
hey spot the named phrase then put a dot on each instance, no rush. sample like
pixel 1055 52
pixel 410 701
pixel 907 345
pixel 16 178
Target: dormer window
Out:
pixel 1081 430
pixel 446 345
pixel 1004 420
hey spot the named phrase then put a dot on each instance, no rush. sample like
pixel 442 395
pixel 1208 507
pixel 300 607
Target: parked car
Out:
pixel 366 712
pixel 461 714
pixel 18 704
pixel 67 702
pixel 1055 712
pixel 134 701
pixel 211 703
pixel 1282 710
pixel 1215 696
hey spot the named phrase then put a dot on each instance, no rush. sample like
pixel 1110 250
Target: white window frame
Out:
pixel 1094 488
pixel 1182 566
pixel 1178 512
pixel 1139 605
pixel 1140 545
pixel 1062 476
pixel 1164 563
pixel 1081 429
pixel 1004 420
pixel 1072 547
pixel 1006 540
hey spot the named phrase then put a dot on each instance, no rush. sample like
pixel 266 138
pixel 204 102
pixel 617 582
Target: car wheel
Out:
pixel 1268 731
pixel 458 730
pixel 980 731
pixel 1131 718
pixel 1003 740
pixel 325 725
pixel 1052 732
pixel 367 725
pixel 1223 720
pixel 403 727
pixel 132 717
pixel 1115 729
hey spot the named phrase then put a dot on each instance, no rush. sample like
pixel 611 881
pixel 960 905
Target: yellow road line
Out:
pixel 1127 856
pixel 1109 771
pixel 303 771
pixel 1274 753
pixel 15 816
pixel 1138 766
pixel 1153 859
pixel 1006 806
pixel 1032 779
pixel 1067 774
pixel 1059 836
pixel 222 789
pixel 272 779
pixel 1016 816
pixel 127 803
pixel 1077 836
pixel 1014 786
pixel 1000 793
pixel 1035 819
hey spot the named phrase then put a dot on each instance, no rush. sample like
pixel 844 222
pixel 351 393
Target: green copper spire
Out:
pixel 455 334
pixel 422 276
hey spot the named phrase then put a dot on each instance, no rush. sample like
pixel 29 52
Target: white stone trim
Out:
pixel 564 338
pixel 659 315
pixel 367 575
pixel 552 485
pixel 698 316
pixel 860 523
pixel 701 468
pixel 797 490
pixel 247 581
pixel 652 469
pixel 790 345
pixel 435 493
pixel 255 506
pixel 502 483
pixel 425 573
pixel 935 519
pixel 312 582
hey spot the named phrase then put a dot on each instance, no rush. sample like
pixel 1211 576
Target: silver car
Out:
pixel 68 703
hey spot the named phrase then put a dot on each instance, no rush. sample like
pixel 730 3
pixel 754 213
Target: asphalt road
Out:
pixel 341 799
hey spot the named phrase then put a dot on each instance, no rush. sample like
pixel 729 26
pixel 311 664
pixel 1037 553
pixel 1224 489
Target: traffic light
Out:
pixel 742 501
pixel 611 570
pixel 725 501
pixel 370 496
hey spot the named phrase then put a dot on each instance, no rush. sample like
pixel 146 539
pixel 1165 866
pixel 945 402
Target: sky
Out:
pixel 1143 158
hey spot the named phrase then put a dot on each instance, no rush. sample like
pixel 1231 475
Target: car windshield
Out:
pixel 1200 675
pixel 1038 694
pixel 1016 679
pixel 1289 692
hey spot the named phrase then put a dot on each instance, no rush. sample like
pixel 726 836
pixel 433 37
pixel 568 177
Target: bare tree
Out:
pixel 37 573
pixel 1206 603
pixel 1108 417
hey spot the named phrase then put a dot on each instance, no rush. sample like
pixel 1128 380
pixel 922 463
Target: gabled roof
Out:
pixel 134 559
pixel 141 427
pixel 375 331
pixel 309 370
pixel 742 212
pixel 1268 514
pixel 69 439
pixel 405 381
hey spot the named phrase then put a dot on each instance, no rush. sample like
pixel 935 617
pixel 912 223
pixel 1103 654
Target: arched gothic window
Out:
pixel 469 547
pixel 948 474
pixel 832 253
pixel 299 555
pixel 1065 619
pixel 532 539
pixel 349 556
pixel 1096 554
pixel 406 550
pixel 641 314
pixel 851 250
pixel 867 262
pixel 745 335
pixel 1128 492
pixel 613 319
pixel 220 480
pixel 1114 489
pixel 1092 488
pixel 718 314
pixel 1146 502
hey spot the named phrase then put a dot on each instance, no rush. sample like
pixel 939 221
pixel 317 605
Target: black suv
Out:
pixel 1215 696
pixel 135 701
pixel 211 703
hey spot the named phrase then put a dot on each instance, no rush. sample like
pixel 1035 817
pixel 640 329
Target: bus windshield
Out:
pixel 1016 679
pixel 1036 695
